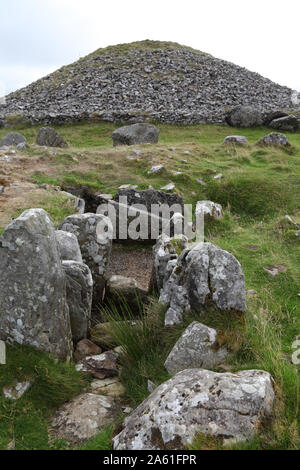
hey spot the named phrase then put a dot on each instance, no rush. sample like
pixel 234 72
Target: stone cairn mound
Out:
pixel 148 81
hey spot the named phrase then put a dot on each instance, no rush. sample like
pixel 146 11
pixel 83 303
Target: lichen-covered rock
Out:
pixel 12 139
pixel 68 246
pixel 209 209
pixel 111 387
pixel 163 252
pixel 289 123
pixel 274 139
pixel 244 116
pixel 47 136
pixel 79 288
pixel 196 348
pixel 203 275
pixel 95 245
pixel 195 401
pixel 33 305
pixel 84 417
pixel 140 133
pixel 236 140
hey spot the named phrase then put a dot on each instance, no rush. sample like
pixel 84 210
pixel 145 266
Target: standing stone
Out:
pixel 197 347
pixel 47 136
pixel 224 405
pixel 95 245
pixel 12 139
pixel 136 134
pixel 68 246
pixel 202 277
pixel 79 297
pixel 33 306
pixel 163 252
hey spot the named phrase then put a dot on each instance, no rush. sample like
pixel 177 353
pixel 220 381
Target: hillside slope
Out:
pixel 148 80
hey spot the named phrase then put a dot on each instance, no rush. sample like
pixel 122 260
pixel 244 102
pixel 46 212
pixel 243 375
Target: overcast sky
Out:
pixel 39 36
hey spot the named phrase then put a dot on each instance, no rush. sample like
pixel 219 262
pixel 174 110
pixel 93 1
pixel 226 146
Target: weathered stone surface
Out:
pixel 140 133
pixel 95 245
pixel 209 209
pixel 274 139
pixel 33 304
pixel 150 82
pixel 197 400
pixel 125 291
pixel 287 123
pixel 17 390
pixel 163 252
pixel 47 136
pixel 236 140
pixel 68 246
pixel 111 387
pixel 244 116
pixel 85 348
pixel 203 275
pixel 79 290
pixel 101 366
pixel 197 348
pixel 13 138
pixel 84 417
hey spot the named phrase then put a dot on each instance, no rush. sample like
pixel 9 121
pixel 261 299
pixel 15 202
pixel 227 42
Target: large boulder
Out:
pixel 141 215
pixel 274 140
pixel 95 244
pixel 286 123
pixel 84 417
pixel 12 139
pixel 197 347
pixel 47 136
pixel 33 304
pixel 203 277
pixel 244 116
pixel 195 401
pixel 79 297
pixel 68 246
pixel 136 134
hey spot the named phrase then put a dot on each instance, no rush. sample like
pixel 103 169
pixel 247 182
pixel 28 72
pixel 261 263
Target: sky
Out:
pixel 37 37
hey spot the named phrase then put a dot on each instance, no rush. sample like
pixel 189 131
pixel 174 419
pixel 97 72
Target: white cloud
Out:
pixel 36 37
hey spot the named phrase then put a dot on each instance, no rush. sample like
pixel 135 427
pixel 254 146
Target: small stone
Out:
pixel 111 387
pixel 155 169
pixel 199 180
pixel 218 176
pixel 151 386
pixel 274 139
pixel 236 140
pixel 274 270
pixel 101 366
pixel 168 187
pixel 85 348
pixel 17 390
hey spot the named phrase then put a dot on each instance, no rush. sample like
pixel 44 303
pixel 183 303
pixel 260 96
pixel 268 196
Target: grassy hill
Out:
pixel 259 187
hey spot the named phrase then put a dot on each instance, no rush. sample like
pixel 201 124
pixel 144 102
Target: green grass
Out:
pixel 24 423
pixel 258 185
